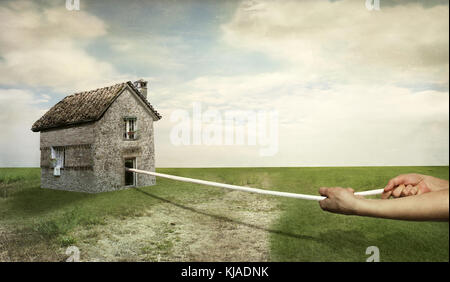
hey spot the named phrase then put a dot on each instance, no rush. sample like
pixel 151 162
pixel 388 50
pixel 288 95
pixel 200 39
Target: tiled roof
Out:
pixel 85 107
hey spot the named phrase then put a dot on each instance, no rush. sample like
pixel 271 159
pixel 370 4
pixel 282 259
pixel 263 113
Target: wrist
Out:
pixel 443 185
pixel 361 207
pixel 437 184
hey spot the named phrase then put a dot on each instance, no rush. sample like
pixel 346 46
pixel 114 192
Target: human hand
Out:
pixel 412 184
pixel 339 200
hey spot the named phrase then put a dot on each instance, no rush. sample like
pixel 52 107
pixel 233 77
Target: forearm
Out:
pixel 439 184
pixel 428 206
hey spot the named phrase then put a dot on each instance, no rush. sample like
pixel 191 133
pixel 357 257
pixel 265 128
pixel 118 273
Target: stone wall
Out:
pixel 78 135
pixel 79 180
pixel 76 156
pixel 79 156
pixel 111 149
pixel 77 174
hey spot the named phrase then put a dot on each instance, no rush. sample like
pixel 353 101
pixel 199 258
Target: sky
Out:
pixel 350 86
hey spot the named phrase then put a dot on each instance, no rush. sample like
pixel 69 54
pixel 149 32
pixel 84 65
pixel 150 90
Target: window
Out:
pixel 57 156
pixel 130 128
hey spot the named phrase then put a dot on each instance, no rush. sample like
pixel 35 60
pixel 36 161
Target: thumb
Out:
pixel 386 195
pixel 323 191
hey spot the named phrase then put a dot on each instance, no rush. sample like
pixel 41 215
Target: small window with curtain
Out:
pixel 57 155
pixel 58 159
pixel 130 127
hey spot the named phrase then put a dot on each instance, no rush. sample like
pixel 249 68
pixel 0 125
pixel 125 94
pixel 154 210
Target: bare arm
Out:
pixel 433 206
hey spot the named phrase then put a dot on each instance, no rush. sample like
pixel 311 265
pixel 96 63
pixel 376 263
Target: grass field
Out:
pixel 36 224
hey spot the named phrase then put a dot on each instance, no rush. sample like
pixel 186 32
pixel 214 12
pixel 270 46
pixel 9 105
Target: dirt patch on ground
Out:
pixel 234 227
pixel 4 256
pixel 25 245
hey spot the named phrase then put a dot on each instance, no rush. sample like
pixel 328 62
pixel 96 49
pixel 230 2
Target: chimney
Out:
pixel 141 85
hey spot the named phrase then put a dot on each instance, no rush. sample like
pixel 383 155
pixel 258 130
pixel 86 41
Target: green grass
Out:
pixel 12 175
pixel 302 233
pixel 318 236
pixel 53 212
pixel 13 179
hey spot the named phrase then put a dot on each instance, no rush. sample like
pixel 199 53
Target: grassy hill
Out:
pixel 37 224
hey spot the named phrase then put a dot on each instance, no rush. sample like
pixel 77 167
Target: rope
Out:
pixel 247 189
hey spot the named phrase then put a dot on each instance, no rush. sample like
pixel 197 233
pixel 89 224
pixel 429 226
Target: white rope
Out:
pixel 247 189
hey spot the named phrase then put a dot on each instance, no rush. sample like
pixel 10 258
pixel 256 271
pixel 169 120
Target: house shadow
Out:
pixel 226 219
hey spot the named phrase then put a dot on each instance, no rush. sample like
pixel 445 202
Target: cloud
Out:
pixel 44 46
pixel 343 124
pixel 351 87
pixel 18 110
pixel 342 40
pixel 150 50
pixel 354 88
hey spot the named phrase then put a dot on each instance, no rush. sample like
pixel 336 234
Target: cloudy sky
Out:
pixel 351 86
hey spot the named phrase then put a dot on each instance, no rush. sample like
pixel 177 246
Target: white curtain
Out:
pixel 57 156
pixel 60 158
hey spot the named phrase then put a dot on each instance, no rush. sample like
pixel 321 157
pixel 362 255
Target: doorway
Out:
pixel 130 177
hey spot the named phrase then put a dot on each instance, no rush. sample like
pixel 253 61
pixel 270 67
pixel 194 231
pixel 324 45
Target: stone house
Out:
pixel 88 138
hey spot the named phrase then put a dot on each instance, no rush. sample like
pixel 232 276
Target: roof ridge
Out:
pixel 92 90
